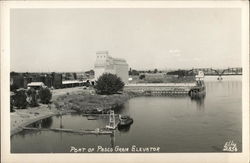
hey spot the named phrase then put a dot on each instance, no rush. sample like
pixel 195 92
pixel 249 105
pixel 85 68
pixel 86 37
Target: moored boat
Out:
pixel 125 121
pixel 92 117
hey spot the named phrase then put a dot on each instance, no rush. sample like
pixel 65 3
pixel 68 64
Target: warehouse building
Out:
pixel 106 64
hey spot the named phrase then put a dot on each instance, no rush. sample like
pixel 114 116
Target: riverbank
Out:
pixel 23 117
pixel 65 101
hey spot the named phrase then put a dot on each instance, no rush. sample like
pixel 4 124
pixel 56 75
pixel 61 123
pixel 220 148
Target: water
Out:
pixel 175 124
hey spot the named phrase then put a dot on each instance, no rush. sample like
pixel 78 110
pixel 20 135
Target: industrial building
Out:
pixel 50 80
pixel 106 64
pixel 21 80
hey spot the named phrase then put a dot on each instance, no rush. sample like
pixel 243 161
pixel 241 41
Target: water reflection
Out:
pixel 28 133
pixel 61 126
pixel 124 129
pixel 47 123
pixel 112 140
pixel 199 100
pixel 44 123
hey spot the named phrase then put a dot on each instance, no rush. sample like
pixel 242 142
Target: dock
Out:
pixel 168 89
pixel 80 131
pixel 113 123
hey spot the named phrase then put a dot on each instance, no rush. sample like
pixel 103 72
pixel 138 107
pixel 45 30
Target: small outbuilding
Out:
pixel 36 85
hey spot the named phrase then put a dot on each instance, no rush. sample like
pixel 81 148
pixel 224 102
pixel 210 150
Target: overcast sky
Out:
pixel 67 39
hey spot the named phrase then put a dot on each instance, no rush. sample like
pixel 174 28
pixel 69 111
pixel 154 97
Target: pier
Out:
pixel 112 125
pixel 169 89
pixel 160 89
pixel 80 131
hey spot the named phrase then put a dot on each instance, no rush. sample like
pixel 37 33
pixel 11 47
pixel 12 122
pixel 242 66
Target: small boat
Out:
pixel 91 117
pixel 125 121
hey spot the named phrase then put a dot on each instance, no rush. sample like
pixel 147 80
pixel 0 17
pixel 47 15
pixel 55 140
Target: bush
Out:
pixel 11 104
pixel 142 76
pixel 33 97
pixel 20 99
pixel 45 95
pixel 108 84
pixel 13 87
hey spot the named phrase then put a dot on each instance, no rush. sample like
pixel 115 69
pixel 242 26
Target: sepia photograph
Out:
pixel 147 79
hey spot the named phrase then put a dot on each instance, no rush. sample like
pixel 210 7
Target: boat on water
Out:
pixel 125 121
pixel 92 117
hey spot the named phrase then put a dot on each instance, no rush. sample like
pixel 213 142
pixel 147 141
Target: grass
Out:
pixel 87 102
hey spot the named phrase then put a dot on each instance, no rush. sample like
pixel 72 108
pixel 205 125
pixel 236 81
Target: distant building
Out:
pixel 106 64
pixel 36 85
pixel 21 80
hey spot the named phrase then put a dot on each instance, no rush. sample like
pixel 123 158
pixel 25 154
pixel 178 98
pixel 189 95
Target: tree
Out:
pixel 90 72
pixel 45 95
pixel 135 72
pixel 108 84
pixel 75 76
pixel 181 73
pixel 33 97
pixel 13 87
pixel 20 99
pixel 130 71
pixel 142 76
pixel 155 71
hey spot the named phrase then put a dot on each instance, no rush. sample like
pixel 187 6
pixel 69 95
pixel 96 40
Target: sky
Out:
pixel 66 40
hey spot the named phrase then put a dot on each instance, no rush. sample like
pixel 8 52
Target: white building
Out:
pixel 106 64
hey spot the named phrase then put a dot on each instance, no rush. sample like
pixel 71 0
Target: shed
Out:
pixel 36 85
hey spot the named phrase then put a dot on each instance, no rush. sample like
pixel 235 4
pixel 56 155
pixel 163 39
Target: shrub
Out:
pixel 108 84
pixel 11 104
pixel 142 76
pixel 20 99
pixel 33 97
pixel 155 70
pixel 13 87
pixel 45 95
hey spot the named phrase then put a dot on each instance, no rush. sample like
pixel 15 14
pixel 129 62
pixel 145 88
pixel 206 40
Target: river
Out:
pixel 173 124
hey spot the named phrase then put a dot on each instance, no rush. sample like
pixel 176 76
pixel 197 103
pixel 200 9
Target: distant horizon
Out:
pixel 168 69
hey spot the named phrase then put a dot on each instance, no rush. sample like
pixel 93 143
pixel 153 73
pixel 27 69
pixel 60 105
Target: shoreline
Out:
pixel 23 117
pixel 61 104
pixel 31 117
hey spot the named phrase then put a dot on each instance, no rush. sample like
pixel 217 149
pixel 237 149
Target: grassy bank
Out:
pixel 90 103
pixel 23 117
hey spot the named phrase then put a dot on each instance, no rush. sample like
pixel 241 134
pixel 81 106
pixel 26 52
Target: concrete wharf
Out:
pixel 161 89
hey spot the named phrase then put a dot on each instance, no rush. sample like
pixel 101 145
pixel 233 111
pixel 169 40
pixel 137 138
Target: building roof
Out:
pixel 35 84
pixel 71 81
